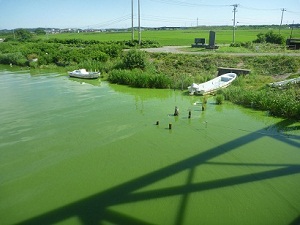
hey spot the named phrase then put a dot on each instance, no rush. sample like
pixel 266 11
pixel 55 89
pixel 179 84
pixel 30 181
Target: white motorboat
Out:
pixel 82 73
pixel 213 85
pixel 285 82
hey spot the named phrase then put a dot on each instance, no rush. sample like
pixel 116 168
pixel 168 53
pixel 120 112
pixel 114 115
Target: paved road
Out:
pixel 183 50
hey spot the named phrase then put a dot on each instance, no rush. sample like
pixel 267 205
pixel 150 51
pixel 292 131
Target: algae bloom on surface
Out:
pixel 74 153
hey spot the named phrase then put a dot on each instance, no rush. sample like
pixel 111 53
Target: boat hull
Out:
pixel 213 85
pixel 85 76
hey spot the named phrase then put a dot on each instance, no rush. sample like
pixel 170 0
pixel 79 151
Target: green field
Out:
pixel 177 37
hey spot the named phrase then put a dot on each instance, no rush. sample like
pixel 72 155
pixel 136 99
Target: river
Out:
pixel 89 152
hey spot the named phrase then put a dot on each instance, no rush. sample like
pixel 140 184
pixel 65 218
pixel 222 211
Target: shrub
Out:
pixel 23 34
pixel 261 38
pixel 274 38
pixel 134 59
pixel 14 58
pixel 219 99
pixel 270 37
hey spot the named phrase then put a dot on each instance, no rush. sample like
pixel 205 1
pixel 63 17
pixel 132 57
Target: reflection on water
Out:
pixel 94 82
pixel 83 152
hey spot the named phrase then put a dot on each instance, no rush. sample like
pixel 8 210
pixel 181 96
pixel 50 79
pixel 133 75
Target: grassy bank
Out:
pixel 162 70
pixel 179 71
pixel 200 68
pixel 277 102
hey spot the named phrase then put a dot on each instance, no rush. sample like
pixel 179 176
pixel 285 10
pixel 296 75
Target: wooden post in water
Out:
pixel 157 122
pixel 190 113
pixel 170 126
pixel 176 113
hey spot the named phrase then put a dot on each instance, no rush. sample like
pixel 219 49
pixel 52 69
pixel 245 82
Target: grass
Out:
pixel 281 103
pixel 176 37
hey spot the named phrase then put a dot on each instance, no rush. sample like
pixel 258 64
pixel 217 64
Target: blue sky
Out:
pixel 117 13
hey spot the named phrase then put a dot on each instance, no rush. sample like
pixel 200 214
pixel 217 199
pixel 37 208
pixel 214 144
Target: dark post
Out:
pixel 190 113
pixel 176 113
pixel 212 38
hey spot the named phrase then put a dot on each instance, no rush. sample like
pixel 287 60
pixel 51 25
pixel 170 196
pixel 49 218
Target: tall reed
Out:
pixel 282 103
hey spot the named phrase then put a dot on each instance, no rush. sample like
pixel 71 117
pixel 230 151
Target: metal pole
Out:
pixel 140 32
pixel 292 30
pixel 234 12
pixel 132 25
pixel 281 18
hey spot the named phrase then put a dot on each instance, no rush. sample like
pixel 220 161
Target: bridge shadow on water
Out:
pixel 95 209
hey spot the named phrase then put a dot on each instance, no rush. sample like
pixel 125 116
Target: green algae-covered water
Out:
pixel 88 152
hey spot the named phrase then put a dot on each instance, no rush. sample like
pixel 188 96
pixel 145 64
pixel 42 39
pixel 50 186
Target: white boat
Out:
pixel 285 82
pixel 213 85
pixel 82 73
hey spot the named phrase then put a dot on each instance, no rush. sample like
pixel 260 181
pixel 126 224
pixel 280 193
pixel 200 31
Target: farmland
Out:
pixel 179 37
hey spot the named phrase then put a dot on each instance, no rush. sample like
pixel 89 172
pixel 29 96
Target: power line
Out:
pixel 110 22
pixel 181 3
pixel 258 9
pixel 167 19
pixel 178 20
pixel 293 12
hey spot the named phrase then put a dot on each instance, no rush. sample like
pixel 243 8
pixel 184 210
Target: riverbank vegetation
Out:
pixel 277 102
pixel 248 90
pixel 121 62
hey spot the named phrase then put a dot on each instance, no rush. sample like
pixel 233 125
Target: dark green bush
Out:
pixel 13 58
pixel 219 99
pixel 22 34
pixel 134 59
pixel 270 37
pixel 247 44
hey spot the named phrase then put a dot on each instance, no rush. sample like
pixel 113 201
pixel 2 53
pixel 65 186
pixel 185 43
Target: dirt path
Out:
pixel 167 49
pixel 183 50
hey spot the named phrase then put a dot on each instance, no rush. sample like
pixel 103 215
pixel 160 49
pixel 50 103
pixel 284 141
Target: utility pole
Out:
pixel 282 11
pixel 292 30
pixel 234 23
pixel 132 25
pixel 140 32
pixel 197 22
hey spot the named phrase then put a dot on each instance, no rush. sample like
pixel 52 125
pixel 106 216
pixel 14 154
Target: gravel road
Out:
pixel 183 50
